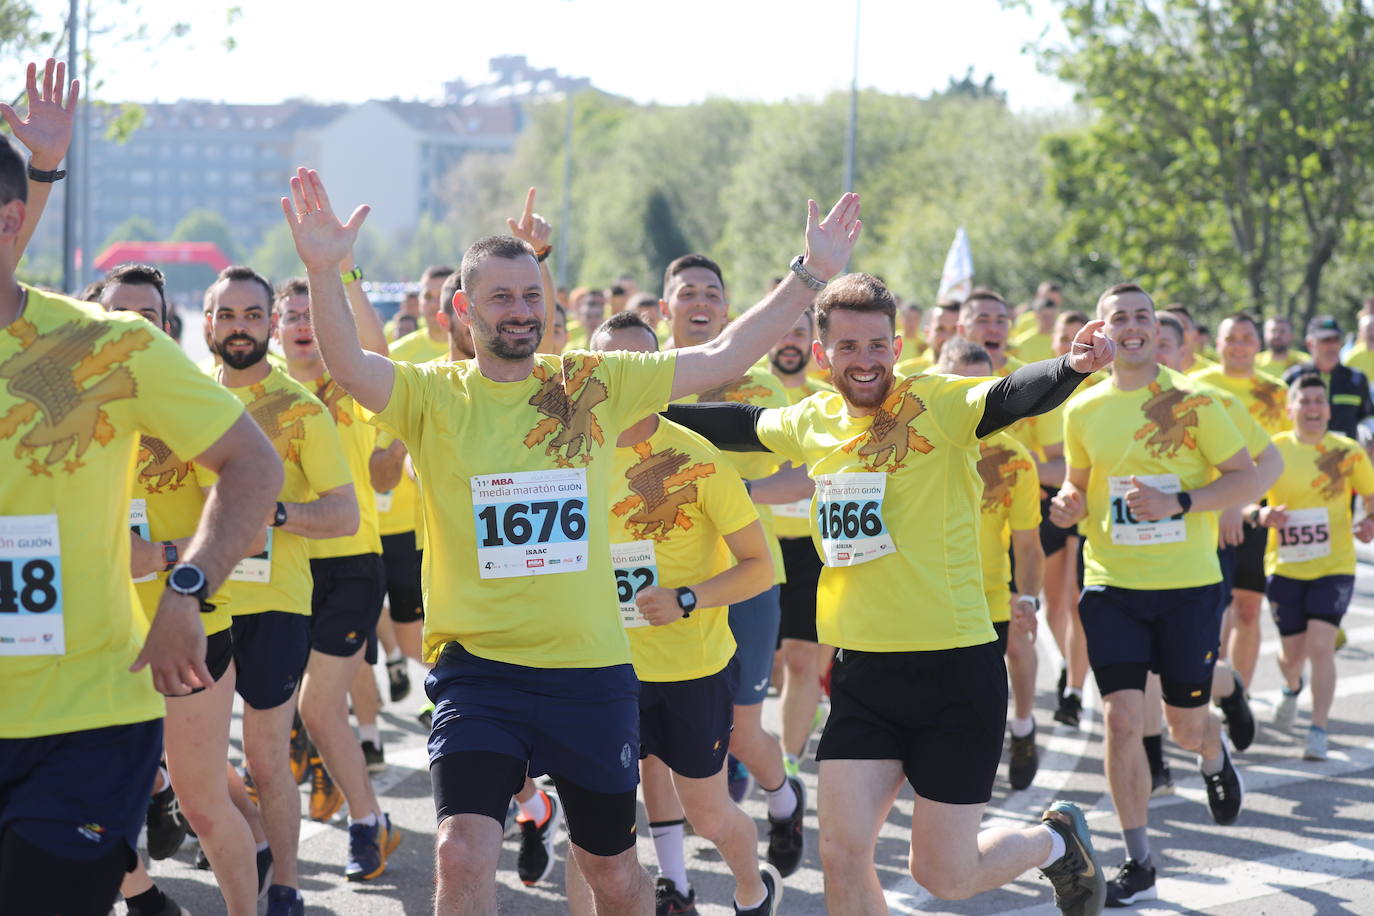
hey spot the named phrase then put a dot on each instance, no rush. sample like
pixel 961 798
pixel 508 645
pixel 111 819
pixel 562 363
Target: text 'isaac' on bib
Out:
pixel 849 514
pixel 530 523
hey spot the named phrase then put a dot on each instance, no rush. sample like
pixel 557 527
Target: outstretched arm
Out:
pixel 322 242
pixel 371 334
pixel 828 245
pixel 47 133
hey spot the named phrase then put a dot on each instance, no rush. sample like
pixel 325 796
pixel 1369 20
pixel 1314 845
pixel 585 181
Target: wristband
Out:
pixel 1253 517
pixel 44 176
pixel 1032 600
pixel 279 518
pixel 543 256
pixel 810 279
pixel 351 276
pixel 1185 500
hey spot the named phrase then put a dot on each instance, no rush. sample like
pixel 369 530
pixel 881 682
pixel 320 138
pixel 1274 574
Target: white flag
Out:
pixel 956 281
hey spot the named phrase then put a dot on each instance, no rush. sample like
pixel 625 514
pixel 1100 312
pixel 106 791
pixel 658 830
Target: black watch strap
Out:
pixel 45 176
pixel 279 518
pixel 687 600
pixel 1185 500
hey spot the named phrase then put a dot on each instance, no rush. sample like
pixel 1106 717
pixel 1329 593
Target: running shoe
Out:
pixel 365 858
pixel 1079 887
pixel 1070 710
pixel 398 679
pixel 772 894
pixel 301 750
pixel 325 798
pixel 739 779
pixel 1062 683
pixel 284 901
pixel 1225 791
pixel 537 839
pixel 1240 721
pixel 166 825
pixel 1287 709
pixel 426 715
pixel 1161 781
pixel 669 901
pixel 374 756
pixel 786 839
pixel 1025 760
pixel 1316 744
pixel 1132 884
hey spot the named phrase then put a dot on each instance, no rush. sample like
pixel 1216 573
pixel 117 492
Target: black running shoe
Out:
pixel 537 840
pixel 1025 760
pixel 669 901
pixel 1240 721
pixel 1079 887
pixel 1225 792
pixel 772 894
pixel 1161 781
pixel 399 679
pixel 1070 710
pixel 374 756
pixel 1134 883
pixel 1062 684
pixel 786 841
pixel 166 826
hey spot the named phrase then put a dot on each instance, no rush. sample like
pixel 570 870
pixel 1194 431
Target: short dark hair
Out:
pixel 137 275
pixel 1178 308
pixel 436 270
pixel 1072 316
pixel 981 294
pixel 452 283
pixel 296 286
pixel 1120 289
pixel 1239 316
pixel 174 326
pixel 1305 380
pixel 687 262
pixel 958 351
pixel 493 246
pixel 245 273
pixel 854 293
pixel 640 300
pixel 1170 321
pixel 92 291
pixel 14 177
pixel 622 320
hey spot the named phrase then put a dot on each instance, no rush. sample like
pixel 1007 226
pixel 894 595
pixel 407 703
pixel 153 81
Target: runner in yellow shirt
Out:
pixel 1193 358
pixel 514 453
pixel 678 514
pixel 430 340
pixel 1009 521
pixel 81 723
pixel 1143 455
pixel 271 595
pixel 1279 353
pixel 941 324
pixel 1037 342
pixel 919 690
pixel 1262 395
pixel 1311 550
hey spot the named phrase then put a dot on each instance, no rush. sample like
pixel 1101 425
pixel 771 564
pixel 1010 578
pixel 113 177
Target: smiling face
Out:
pixel 791 354
pixel 1309 409
pixel 1238 342
pixel 505 307
pixel 241 322
pixel 1130 319
pixel 859 350
pixel 695 306
pixel 986 323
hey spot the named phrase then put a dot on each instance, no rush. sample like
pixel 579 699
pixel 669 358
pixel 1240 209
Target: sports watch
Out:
pixel 169 555
pixel 189 579
pixel 279 517
pixel 1032 600
pixel 687 600
pixel 806 276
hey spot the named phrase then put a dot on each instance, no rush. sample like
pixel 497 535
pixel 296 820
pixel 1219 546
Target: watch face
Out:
pixel 186 579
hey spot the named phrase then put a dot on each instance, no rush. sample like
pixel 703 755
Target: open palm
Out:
pixel 321 240
pixel 46 129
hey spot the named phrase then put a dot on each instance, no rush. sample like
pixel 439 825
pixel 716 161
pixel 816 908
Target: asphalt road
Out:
pixel 1303 844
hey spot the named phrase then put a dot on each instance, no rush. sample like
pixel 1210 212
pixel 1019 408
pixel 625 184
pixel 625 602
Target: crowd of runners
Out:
pixel 606 522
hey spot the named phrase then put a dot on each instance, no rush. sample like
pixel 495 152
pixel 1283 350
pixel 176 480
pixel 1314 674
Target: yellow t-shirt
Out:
pixel 418 347
pixel 1319 479
pixel 565 416
pixel 78 387
pixel 1170 427
pixel 1265 397
pixel 359 438
pixel 312 454
pixel 1024 323
pixel 1036 433
pixel 398 511
pixel 1361 359
pixel 794 519
pixel 673 489
pixel 1256 439
pixel 170 490
pixel 1200 362
pixel 760 387
pixel 1265 361
pixel 1033 347
pixel 914 365
pixel 1010 502
pixel 916 585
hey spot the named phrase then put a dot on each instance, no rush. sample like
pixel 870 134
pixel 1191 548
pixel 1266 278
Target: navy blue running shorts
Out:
pixel 687 724
pixel 1293 602
pixel 346 603
pixel 754 624
pixel 270 651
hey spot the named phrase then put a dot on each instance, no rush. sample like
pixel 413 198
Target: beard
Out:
pixel 493 341
pixel 796 353
pixel 864 399
pixel 241 361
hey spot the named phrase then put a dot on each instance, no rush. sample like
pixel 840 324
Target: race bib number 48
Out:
pixel 1129 531
pixel 1307 536
pixel 30 586
pixel 636 568
pixel 530 523
pixel 849 514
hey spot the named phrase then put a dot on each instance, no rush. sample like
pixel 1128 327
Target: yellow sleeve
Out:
pixel 1218 438
pixel 1074 454
pixel 322 454
pixel 776 428
pixel 640 383
pixel 202 411
pixel 404 414
pixel 957 405
pixel 726 502
pixel 1256 439
pixel 1050 427
pixel 1025 499
pixel 1362 477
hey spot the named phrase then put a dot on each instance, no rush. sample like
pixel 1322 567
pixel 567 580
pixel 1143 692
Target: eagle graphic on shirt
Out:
pixel 62 379
pixel 890 437
pixel 1270 402
pixel 662 485
pixel 1171 420
pixel 158 467
pixel 332 395
pixel 1336 466
pixel 999 468
pixel 567 399
pixel 741 390
pixel 280 414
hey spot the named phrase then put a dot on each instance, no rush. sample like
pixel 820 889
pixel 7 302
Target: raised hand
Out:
pixel 321 240
pixel 830 241
pixel 175 647
pixel 1067 508
pixel 1092 349
pixel 532 229
pixel 47 127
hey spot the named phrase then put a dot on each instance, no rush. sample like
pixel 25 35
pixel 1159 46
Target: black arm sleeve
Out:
pixel 729 427
pixel 1033 389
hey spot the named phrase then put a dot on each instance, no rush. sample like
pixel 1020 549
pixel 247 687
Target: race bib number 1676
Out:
pixel 530 523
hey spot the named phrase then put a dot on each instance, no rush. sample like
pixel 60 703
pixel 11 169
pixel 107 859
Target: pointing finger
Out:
pixel 529 208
